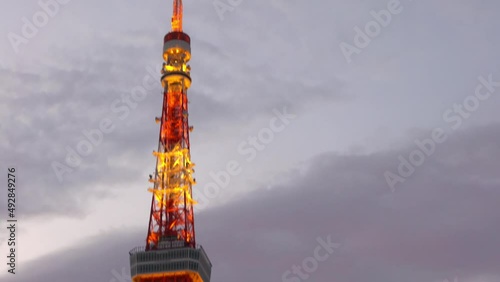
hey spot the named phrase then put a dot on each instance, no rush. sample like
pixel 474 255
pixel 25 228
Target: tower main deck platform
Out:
pixel 171 259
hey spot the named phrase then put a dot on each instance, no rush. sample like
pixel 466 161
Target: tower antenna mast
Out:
pixel 177 16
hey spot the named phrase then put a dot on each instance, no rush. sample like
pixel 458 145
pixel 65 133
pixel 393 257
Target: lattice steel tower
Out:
pixel 171 253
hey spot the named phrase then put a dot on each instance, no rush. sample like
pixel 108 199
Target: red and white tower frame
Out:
pixel 171 253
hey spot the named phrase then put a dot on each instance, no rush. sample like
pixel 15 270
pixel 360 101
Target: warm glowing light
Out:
pixel 173 190
pixel 177 17
pixel 172 203
pixel 189 276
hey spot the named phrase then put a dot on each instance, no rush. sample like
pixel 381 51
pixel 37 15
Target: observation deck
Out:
pixel 171 258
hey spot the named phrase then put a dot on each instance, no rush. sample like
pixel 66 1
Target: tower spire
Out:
pixel 177 16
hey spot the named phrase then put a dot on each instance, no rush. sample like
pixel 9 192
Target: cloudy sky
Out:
pixel 370 124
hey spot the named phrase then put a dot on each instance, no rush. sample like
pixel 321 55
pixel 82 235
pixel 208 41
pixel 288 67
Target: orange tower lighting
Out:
pixel 171 253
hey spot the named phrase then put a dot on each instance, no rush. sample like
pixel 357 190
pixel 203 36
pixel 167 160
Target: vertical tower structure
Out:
pixel 171 253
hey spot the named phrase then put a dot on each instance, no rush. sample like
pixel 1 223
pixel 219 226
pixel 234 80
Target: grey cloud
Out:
pixel 437 225
pixel 50 105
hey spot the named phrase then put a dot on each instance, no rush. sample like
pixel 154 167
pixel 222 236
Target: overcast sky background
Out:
pixel 322 176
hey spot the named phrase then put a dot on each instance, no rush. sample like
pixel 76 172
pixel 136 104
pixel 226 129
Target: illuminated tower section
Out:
pixel 171 253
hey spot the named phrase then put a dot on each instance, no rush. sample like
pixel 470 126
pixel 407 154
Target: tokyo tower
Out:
pixel 171 253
